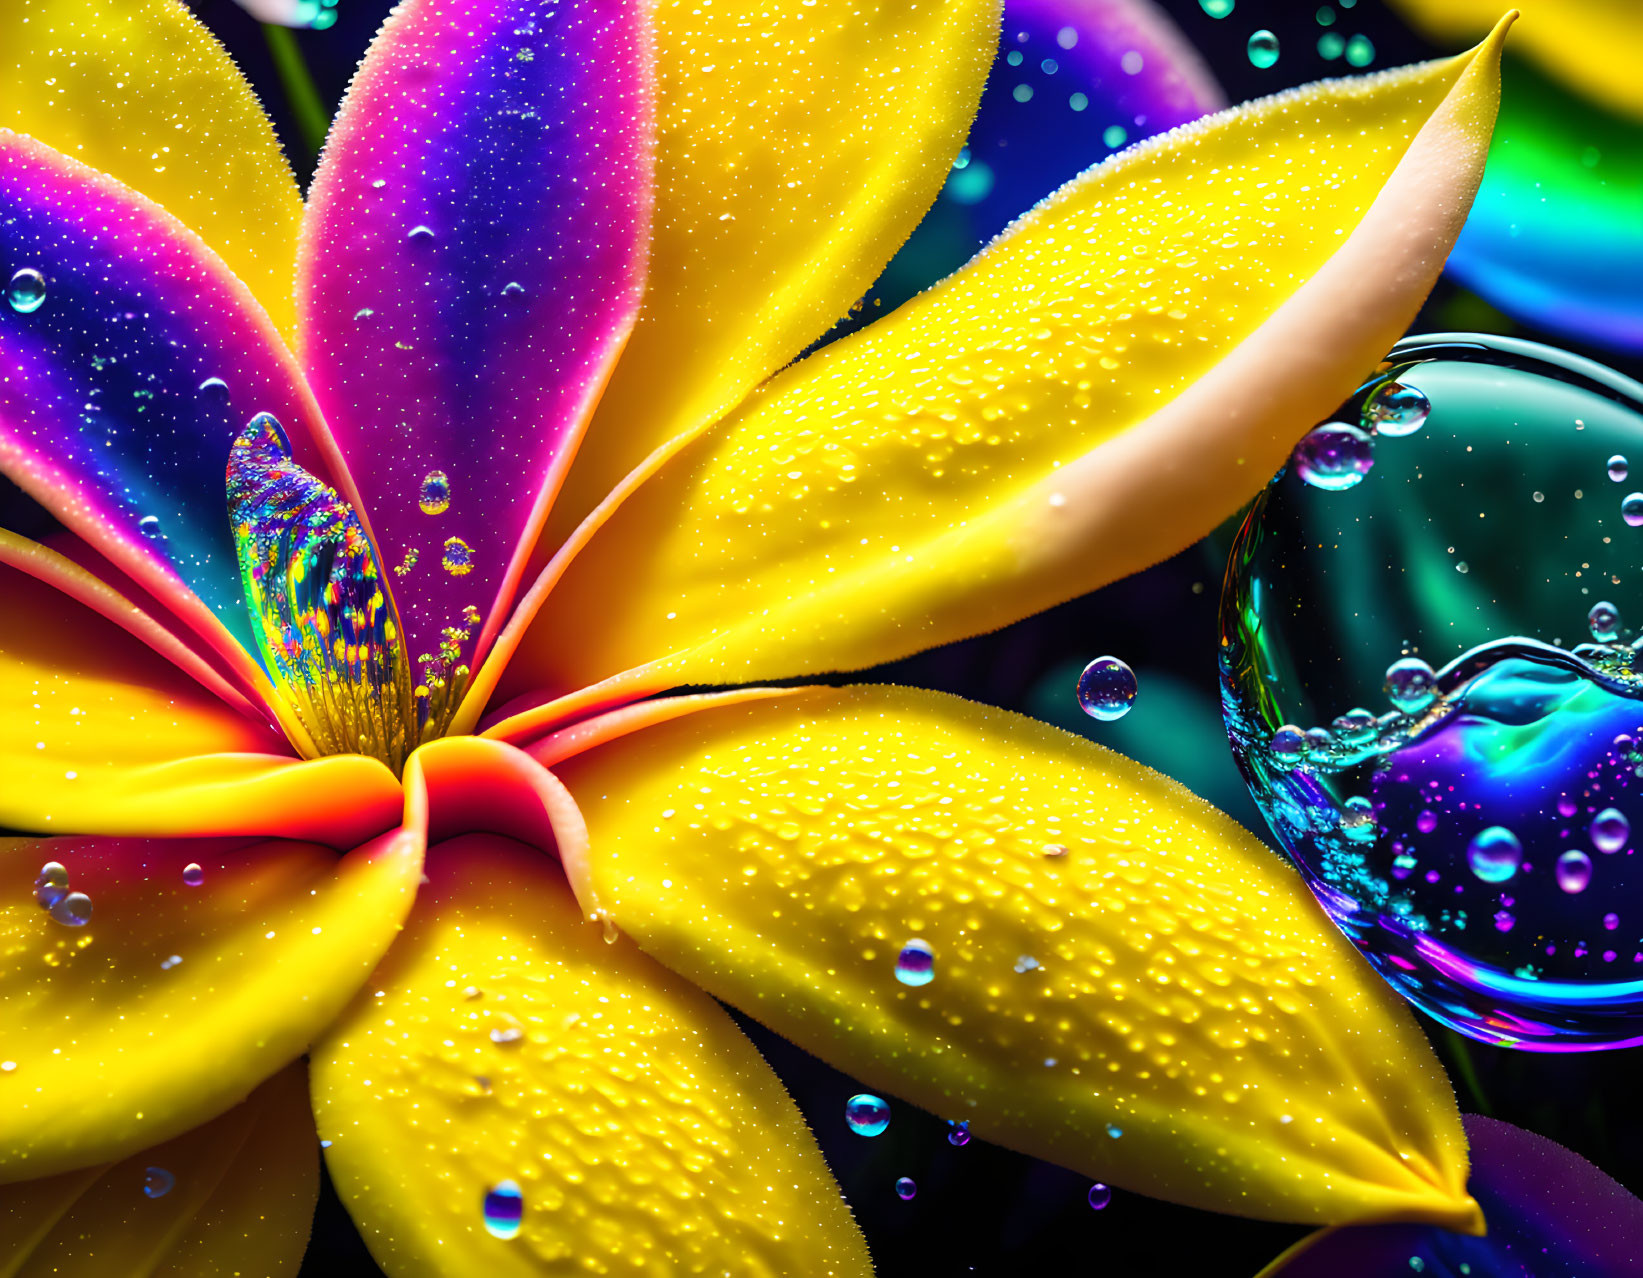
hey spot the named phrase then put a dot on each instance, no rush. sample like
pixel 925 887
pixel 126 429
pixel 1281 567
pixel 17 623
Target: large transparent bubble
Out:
pixel 1433 682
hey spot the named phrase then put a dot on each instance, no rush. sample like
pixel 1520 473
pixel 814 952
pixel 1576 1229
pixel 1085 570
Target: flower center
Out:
pixel 325 622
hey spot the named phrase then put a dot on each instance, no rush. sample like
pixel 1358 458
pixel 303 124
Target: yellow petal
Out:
pixel 1125 981
pixel 241 1201
pixel 1095 391
pixel 174 1001
pixel 141 90
pixel 1591 45
pixel 797 147
pixel 502 1040
pixel 100 733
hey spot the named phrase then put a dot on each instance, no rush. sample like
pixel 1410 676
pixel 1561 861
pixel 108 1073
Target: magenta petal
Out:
pixel 471 264
pixel 129 357
pixel 1551 1214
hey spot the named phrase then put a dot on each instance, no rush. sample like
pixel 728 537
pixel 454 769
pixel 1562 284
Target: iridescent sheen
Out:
pixel 482 144
pixel 325 623
pixel 1438 828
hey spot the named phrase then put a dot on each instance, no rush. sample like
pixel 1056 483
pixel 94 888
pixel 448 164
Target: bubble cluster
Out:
pixel 52 892
pixel 1433 694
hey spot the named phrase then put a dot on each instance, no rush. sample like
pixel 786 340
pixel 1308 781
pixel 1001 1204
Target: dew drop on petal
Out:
pixel 1334 457
pixel 916 964
pixel 866 1114
pixel 26 291
pixel 73 910
pixel 458 559
pixel 1100 1195
pixel 1288 745
pixel 504 1209
pixel 1410 685
pixel 905 1188
pixel 157 1182
pixel 1574 871
pixel 1263 49
pixel 1395 409
pixel 1106 689
pixel 1610 830
pixel 434 497
pixel 193 874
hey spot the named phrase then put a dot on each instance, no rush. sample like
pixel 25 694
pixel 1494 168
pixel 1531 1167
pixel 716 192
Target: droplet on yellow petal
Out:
pixel 234 1196
pixel 184 990
pixel 1095 391
pixel 142 91
pixel 503 1050
pixel 1192 1025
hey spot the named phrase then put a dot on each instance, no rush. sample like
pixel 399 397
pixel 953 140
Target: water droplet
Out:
pixel 1263 49
pixel 506 1034
pixel 1631 509
pixel 513 289
pixel 420 235
pixel 1494 854
pixel 1053 850
pixel 958 1133
pixel 149 526
pixel 504 1209
pixel 157 1182
pixel 193 875
pixel 1217 8
pixel 1619 468
pixel 1106 689
pixel 1410 685
pixel 458 559
pixel 1288 746
pixel 434 497
pixel 1334 457
pixel 1395 409
pixel 1324 596
pixel 1359 51
pixel 1114 136
pixel 27 290
pixel 1100 1195
pixel 905 1188
pixel 1574 871
pixel 1114 1132
pixel 73 910
pixel 916 964
pixel 215 392
pixel 1026 963
pixel 866 1114
pixel 1610 830
pixel 1604 621
pixel 52 872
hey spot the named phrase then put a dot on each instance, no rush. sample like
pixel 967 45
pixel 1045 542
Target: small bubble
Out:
pixel 1494 854
pixel 73 910
pixel 52 872
pixel 905 1188
pixel 513 289
pixel 1356 726
pixel 1611 921
pixel 1026 963
pixel 1426 821
pixel 1631 509
pixel 1217 8
pixel 1574 871
pixel 1263 49
pixel 506 1034
pixel 214 391
pixel 1410 685
pixel 1359 51
pixel 149 526
pixel 1331 44
pixel 157 1182
pixel 1610 830
pixel 1619 468
pixel 1395 409
pixel 1288 745
pixel 434 497
pixel 27 290
pixel 1604 621
pixel 420 235
pixel 1114 1132
pixel 866 1114
pixel 916 964
pixel 193 875
pixel 504 1209
pixel 1054 850
pixel 1100 1195
pixel 958 1133
pixel 1334 457
pixel 1106 689
pixel 1114 136
pixel 458 559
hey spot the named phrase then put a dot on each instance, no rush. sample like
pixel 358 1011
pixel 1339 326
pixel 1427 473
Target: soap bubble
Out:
pixel 1472 838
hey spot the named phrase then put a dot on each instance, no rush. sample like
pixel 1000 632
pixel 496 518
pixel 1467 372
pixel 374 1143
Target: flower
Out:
pixel 601 231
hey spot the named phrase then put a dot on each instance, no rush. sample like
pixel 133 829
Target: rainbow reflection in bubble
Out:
pixel 1433 700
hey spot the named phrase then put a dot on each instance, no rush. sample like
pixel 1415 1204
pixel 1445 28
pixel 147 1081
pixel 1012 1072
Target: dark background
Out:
pixel 981 1209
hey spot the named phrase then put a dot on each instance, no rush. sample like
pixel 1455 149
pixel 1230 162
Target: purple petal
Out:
pixel 471 265
pixel 129 356
pixel 1551 1214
